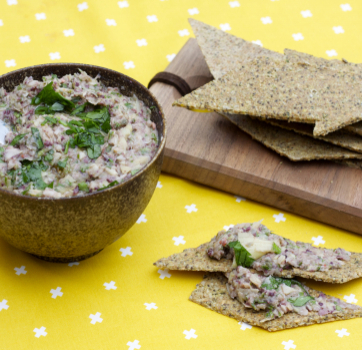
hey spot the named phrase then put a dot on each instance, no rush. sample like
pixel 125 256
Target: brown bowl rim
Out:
pixel 161 145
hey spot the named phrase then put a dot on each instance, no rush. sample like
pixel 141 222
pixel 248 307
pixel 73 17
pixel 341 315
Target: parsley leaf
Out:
pixel 16 139
pixel 49 156
pixel 31 172
pixel 276 249
pixel 49 97
pixel 79 109
pixel 242 256
pixel 300 301
pixel 37 138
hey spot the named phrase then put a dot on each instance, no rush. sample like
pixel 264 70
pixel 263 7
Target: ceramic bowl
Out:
pixel 73 229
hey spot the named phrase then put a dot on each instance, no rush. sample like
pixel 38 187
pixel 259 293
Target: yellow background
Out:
pixel 125 318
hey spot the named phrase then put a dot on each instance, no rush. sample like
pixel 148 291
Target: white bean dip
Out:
pixel 72 135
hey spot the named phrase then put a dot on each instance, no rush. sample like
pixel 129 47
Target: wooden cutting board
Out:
pixel 208 149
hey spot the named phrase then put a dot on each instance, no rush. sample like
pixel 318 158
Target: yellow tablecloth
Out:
pixel 118 299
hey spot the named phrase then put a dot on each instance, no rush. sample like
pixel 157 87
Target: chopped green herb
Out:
pixel 63 163
pixel 49 156
pixel 79 109
pixel 26 190
pixel 49 97
pixel 66 147
pixel 242 256
pixel 301 300
pixel 109 186
pixel 50 120
pixel 154 138
pixel 134 171
pixel 153 107
pixel 128 105
pixel 83 186
pixel 37 138
pixel 276 249
pixel 54 76
pixel 17 139
pixel 31 172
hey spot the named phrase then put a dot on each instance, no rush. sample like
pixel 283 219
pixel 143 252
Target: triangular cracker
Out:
pixel 269 88
pixel 222 51
pixel 196 259
pixel 212 294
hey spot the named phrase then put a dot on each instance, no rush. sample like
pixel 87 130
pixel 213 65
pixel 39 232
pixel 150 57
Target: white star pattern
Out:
pixel 338 30
pixel 10 63
pixel 159 185
pixel 141 42
pixel 96 318
pixel 73 263
pixel 342 332
pixel 193 11
pixel 234 4
pixel 12 2
pixel 164 273
pixel 239 199
pixel 1 22
pixel 150 306
pixel 83 6
pixel 191 208
pixel 111 22
pixel 40 16
pixel 68 32
pixel 24 39
pixel 190 334
pixel 152 18
pixel 170 57
pixel 279 217
pixel 40 332
pixel 306 13
pixel 3 305
pixel 350 298
pixel 318 240
pixel 331 53
pixel 126 251
pixel 128 65
pixel 123 4
pixel 245 326
pixel 266 20
pixel 346 7
pixel 134 345
pixel 179 240
pixel 54 56
pixel 298 36
pixel 183 32
pixel 20 270
pixel 56 292
pixel 225 27
pixel 257 42
pixel 142 218
pixel 99 48
pixel 227 228
pixel 289 344
pixel 110 285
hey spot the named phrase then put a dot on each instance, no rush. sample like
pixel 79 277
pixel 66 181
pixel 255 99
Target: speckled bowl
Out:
pixel 73 229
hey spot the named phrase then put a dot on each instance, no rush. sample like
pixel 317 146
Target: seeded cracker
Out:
pixel 338 138
pixel 304 58
pixel 223 51
pixel 212 294
pixel 196 259
pixel 270 88
pixel 287 143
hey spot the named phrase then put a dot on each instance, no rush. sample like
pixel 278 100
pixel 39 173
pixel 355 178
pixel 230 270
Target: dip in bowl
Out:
pixel 81 175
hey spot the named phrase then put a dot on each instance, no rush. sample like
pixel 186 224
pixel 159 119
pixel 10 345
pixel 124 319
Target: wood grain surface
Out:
pixel 208 149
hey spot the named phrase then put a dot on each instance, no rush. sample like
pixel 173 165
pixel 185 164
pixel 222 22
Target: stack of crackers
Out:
pixel 300 106
pixel 212 291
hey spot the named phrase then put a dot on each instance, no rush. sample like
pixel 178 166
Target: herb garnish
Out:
pixel 109 186
pixel 62 163
pixel 276 249
pixel 83 186
pixel 300 301
pixel 16 139
pixel 37 138
pixel 242 256
pixel 53 100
